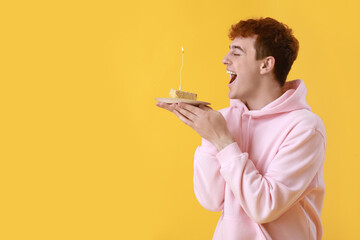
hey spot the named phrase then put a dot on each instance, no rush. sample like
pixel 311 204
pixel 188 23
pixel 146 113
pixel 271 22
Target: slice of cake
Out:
pixel 181 94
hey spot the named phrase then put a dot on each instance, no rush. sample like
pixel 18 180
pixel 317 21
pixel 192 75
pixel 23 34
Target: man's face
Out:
pixel 243 69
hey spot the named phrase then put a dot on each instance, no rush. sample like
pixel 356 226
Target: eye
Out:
pixel 236 54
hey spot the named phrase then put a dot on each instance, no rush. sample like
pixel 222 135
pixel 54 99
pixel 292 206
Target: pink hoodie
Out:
pixel 270 183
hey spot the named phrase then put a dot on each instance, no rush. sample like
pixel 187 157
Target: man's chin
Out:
pixel 234 96
pixel 231 95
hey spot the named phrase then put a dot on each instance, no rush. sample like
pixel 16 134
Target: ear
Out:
pixel 267 65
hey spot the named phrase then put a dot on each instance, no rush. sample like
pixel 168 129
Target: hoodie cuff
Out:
pixel 228 154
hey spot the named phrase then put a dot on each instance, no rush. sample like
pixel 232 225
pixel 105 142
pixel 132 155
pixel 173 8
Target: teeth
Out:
pixel 230 72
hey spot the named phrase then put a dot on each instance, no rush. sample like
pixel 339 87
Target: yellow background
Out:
pixel 86 154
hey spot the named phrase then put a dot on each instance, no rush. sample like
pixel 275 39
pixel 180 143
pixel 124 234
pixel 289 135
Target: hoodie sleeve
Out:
pixel 209 185
pixel 265 197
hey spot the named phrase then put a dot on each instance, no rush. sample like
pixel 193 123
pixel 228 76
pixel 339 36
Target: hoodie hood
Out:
pixel 293 98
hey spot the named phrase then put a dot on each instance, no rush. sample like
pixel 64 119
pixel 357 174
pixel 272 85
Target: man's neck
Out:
pixel 266 94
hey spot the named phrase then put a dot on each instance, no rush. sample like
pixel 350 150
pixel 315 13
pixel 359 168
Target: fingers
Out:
pixel 167 106
pixel 184 115
pixel 195 110
pixel 205 107
pixel 188 114
pixel 183 118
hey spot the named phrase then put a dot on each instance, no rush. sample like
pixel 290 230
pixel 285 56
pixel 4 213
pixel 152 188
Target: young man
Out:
pixel 261 159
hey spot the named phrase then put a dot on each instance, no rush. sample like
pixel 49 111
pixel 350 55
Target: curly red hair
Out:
pixel 273 39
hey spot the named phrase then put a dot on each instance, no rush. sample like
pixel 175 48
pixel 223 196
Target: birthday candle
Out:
pixel 182 62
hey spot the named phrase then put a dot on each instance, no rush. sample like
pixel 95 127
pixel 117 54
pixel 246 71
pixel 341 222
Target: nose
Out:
pixel 226 60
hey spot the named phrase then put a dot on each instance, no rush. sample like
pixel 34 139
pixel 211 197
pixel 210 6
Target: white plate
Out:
pixel 178 100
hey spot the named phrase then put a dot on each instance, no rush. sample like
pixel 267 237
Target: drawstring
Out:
pixel 248 135
pixel 244 142
pixel 240 128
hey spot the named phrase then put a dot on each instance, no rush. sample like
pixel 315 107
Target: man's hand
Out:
pixel 208 123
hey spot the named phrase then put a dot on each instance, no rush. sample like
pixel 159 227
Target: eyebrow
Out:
pixel 237 47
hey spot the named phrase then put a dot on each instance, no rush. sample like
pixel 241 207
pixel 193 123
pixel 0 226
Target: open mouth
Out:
pixel 232 76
